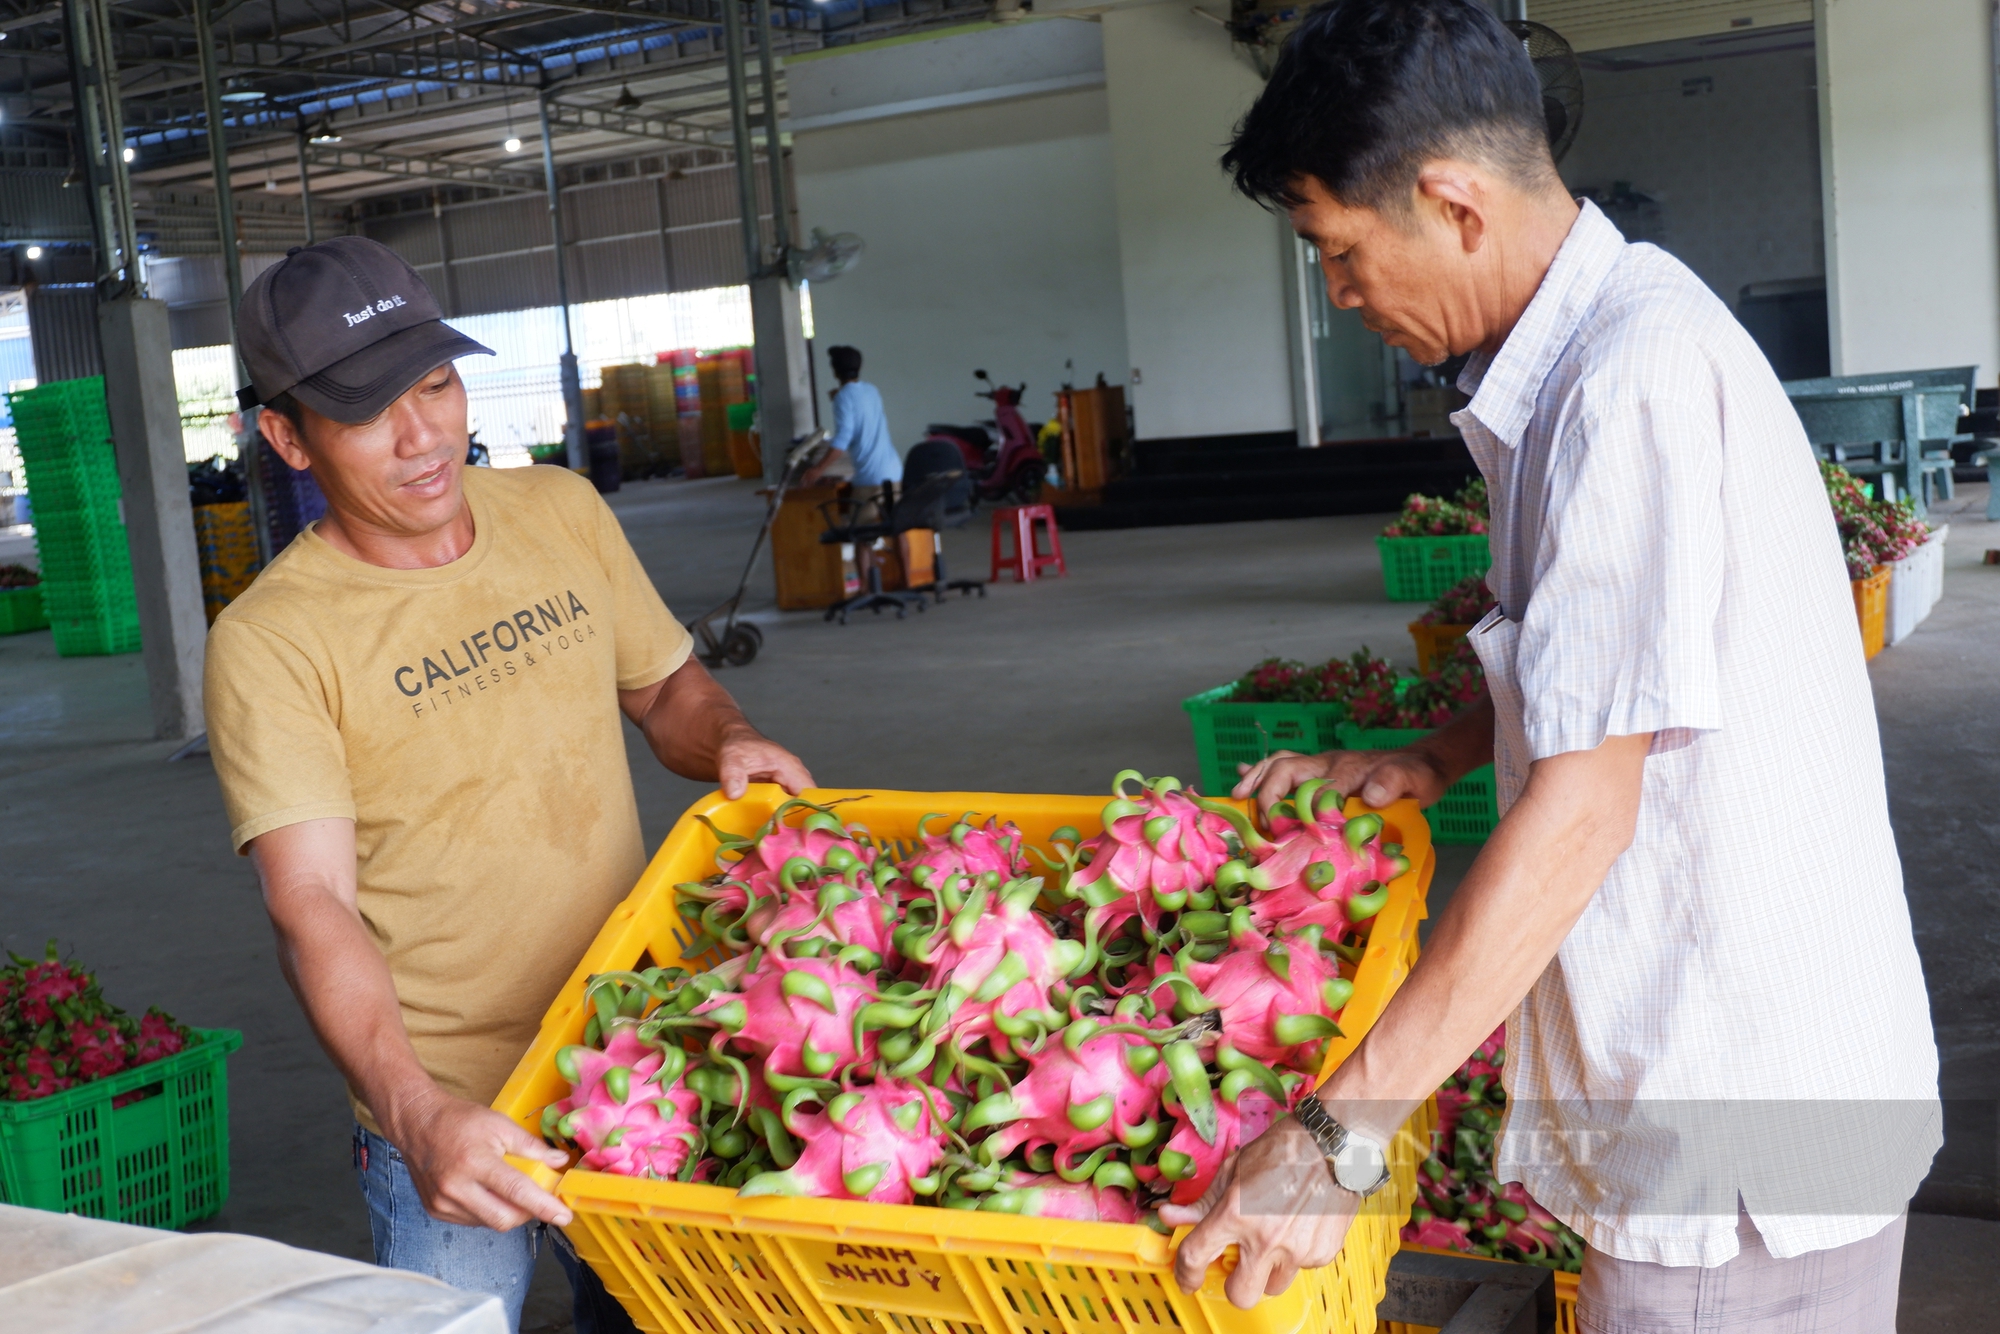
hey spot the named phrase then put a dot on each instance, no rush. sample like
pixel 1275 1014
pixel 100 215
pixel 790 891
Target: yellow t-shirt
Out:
pixel 466 719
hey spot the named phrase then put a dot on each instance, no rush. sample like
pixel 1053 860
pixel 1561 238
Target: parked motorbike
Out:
pixel 1009 473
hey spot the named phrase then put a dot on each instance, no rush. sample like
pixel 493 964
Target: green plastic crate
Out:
pixel 1469 808
pixel 1417 569
pixel 162 1161
pixel 1226 735
pixel 21 609
pixel 115 630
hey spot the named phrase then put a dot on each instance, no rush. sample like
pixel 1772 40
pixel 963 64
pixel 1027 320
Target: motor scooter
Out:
pixel 1012 472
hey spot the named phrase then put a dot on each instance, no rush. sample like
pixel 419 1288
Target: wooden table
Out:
pixel 810 573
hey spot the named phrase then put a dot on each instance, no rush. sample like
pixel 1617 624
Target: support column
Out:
pixel 774 147
pixel 249 441
pixel 739 136
pixel 784 396
pixel 305 186
pixel 571 377
pixel 159 524
pixel 137 350
pixel 784 392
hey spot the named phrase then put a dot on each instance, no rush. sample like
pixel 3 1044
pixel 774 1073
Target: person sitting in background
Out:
pixel 860 434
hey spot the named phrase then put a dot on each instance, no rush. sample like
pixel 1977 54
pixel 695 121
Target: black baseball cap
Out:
pixel 344 327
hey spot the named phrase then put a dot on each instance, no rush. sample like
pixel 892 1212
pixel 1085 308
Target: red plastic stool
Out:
pixel 1027 561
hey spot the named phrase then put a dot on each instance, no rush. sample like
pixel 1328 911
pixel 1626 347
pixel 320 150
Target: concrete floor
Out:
pixel 1048 688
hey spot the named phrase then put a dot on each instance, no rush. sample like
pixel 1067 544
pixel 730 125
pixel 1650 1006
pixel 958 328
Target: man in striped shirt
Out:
pixel 1694 871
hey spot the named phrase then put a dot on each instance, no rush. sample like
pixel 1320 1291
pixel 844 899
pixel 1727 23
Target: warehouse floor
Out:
pixel 1047 688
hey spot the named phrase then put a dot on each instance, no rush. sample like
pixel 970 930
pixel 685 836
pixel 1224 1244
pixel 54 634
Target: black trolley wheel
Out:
pixel 740 645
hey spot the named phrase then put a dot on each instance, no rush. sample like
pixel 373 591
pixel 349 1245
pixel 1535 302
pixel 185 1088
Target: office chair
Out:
pixel 952 509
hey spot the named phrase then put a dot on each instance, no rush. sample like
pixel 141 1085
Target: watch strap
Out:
pixel 1329 1134
pixel 1331 1137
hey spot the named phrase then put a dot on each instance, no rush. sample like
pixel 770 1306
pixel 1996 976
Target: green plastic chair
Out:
pixel 1896 427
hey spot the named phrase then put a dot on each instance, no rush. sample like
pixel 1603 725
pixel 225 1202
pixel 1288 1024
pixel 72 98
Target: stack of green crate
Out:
pixel 64 435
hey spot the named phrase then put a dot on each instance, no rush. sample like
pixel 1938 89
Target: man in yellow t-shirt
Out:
pixel 414 713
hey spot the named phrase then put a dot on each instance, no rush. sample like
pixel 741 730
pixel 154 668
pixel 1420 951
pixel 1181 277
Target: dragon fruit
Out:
pixel 986 968
pixel 159 1036
pixel 1275 1004
pixel 1320 867
pixel 100 1048
pixel 57 1030
pixel 54 989
pixel 877 1143
pixel 1095 1086
pixel 798 1015
pixel 853 918
pixel 1159 852
pixel 1461 1207
pixel 627 1109
pixel 1037 1196
pixel 1190 1159
pixel 36 1074
pixel 1470 1087
pixel 769 867
pixel 967 851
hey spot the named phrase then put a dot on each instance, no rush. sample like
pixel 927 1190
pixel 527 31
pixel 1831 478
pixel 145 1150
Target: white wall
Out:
pixel 987 211
pixel 1203 269
pixel 1908 175
pixel 1728 146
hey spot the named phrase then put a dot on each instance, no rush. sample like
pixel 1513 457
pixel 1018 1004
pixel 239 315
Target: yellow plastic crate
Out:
pixel 1871 607
pixel 695 1259
pixel 1434 641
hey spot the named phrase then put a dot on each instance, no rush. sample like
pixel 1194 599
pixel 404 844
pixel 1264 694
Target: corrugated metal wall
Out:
pixel 633 237
pixel 34 206
pixel 641 235
pixel 62 323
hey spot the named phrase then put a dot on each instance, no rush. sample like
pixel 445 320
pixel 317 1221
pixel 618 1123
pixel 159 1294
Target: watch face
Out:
pixel 1360 1165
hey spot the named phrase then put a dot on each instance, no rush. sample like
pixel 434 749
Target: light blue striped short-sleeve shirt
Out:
pixel 1740 1012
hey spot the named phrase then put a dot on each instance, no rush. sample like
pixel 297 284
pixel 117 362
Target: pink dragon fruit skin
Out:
pixel 1237 1124
pixel 1441 1233
pixel 649 1132
pixel 1311 872
pixel 1261 995
pixel 1453 1097
pixel 36 1075
pixel 654 1143
pixel 753 868
pixel 45 985
pixel 779 1014
pixel 99 1048
pixel 1156 850
pixel 977 949
pixel 870 1144
pixel 159 1036
pixel 968 851
pixel 1075 1099
pixel 1036 1196
pixel 864 920
pixel 1535 1234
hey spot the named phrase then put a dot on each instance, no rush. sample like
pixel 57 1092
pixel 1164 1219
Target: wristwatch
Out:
pixel 1357 1162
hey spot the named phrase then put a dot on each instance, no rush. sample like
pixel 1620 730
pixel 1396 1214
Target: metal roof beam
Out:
pixel 420 168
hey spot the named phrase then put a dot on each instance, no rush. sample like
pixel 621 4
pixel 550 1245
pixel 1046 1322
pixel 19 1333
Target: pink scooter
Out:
pixel 1011 474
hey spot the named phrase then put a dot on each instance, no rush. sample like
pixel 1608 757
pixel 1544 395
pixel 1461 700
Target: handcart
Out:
pixel 736 643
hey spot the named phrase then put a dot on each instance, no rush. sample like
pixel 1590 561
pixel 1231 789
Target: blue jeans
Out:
pixel 476 1259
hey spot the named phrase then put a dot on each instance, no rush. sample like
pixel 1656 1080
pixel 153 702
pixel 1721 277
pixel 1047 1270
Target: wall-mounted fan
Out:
pixel 1562 81
pixel 825 256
